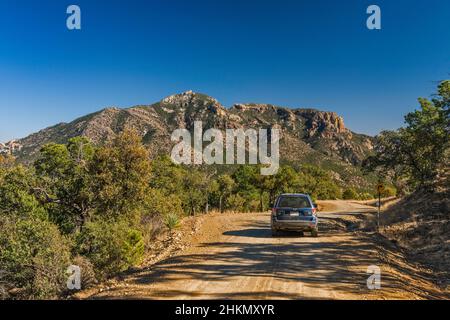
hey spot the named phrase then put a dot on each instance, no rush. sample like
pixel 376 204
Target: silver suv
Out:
pixel 294 212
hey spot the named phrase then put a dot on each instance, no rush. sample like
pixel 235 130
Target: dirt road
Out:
pixel 234 256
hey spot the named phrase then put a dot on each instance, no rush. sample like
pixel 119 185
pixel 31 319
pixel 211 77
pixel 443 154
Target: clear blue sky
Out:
pixel 294 53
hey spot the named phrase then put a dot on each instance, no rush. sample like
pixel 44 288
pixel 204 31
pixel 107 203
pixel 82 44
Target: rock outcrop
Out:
pixel 10 147
pixel 321 123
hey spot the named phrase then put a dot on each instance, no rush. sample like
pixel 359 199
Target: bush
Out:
pixel 133 247
pixel 318 183
pixel 350 194
pixel 34 257
pixel 172 221
pixel 15 194
pixel 365 196
pixel 111 246
pixel 254 205
pixel 159 204
pixel 150 227
pixel 235 202
pixel 389 192
pixel 159 210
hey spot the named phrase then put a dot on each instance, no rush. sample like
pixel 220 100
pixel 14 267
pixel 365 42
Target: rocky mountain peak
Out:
pixel 252 107
pixel 188 97
pixel 193 102
pixel 322 123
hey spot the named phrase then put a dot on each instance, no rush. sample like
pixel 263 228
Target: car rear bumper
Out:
pixel 293 225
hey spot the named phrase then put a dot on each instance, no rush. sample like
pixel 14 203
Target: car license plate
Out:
pixel 294 213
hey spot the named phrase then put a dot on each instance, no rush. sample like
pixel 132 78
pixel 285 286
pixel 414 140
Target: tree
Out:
pixel 195 184
pixel 248 188
pixel 318 183
pixel 167 176
pixel 16 194
pixel 65 182
pixel 34 255
pixel 285 180
pixel 6 162
pixel 419 151
pixel 225 187
pixel 244 177
pixel 120 175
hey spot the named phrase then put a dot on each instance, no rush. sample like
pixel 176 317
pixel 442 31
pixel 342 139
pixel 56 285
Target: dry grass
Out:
pixel 420 224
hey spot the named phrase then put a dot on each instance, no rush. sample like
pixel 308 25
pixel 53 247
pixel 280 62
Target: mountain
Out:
pixel 307 135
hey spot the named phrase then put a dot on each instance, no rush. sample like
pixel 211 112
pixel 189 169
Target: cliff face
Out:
pixel 307 135
pixel 323 124
pixel 323 132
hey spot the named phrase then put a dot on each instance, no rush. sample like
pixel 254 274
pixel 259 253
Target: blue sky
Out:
pixel 293 53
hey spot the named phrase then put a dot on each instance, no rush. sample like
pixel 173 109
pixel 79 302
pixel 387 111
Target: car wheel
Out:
pixel 314 233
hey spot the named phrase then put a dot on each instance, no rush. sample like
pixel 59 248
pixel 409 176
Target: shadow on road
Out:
pixel 313 264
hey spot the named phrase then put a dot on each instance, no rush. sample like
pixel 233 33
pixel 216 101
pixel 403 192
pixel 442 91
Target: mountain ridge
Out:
pixel 307 135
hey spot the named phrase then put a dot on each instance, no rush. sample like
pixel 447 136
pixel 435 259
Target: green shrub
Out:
pixel 159 211
pixel 159 204
pixel 34 256
pixel 388 192
pixel 350 194
pixel 133 247
pixel 172 221
pixel 16 196
pixel 235 202
pixel 365 196
pixel 254 205
pixel 111 246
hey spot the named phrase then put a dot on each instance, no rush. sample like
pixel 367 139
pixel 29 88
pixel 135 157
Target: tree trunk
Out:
pixel 261 204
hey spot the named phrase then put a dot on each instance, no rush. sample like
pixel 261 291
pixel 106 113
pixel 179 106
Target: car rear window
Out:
pixel 293 202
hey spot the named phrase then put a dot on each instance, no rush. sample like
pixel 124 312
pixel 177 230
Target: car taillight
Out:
pixel 314 210
pixel 274 211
